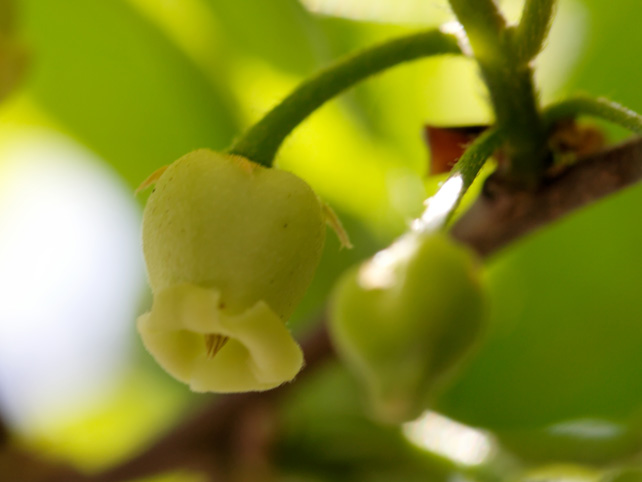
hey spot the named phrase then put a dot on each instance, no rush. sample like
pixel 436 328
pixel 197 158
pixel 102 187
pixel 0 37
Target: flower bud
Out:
pixel 405 318
pixel 230 247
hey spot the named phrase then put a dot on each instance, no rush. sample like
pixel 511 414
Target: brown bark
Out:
pixel 502 214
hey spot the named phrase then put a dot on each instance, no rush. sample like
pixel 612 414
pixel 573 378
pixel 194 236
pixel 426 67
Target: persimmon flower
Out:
pixel 198 343
pixel 230 248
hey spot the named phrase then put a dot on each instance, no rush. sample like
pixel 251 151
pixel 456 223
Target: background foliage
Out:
pixel 134 84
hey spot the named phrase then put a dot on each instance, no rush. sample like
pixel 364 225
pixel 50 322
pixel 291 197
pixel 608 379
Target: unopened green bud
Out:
pixel 404 319
pixel 230 247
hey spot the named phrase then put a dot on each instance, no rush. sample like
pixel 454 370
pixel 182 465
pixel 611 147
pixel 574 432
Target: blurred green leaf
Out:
pixel 607 66
pixel 280 32
pixel 327 433
pixel 589 441
pixel 624 474
pixel 121 86
pixel 566 337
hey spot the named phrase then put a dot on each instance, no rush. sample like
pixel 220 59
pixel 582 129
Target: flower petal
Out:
pixel 260 353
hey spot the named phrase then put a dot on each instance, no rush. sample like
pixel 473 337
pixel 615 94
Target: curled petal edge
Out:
pixel 260 353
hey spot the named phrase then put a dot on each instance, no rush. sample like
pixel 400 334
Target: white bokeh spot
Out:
pixel 71 274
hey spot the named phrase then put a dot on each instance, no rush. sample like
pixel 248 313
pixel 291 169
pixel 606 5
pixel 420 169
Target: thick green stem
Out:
pixel 512 91
pixel 601 108
pixel 533 27
pixel 261 142
pixel 484 24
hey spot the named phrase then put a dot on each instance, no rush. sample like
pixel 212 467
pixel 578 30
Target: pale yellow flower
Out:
pixel 230 248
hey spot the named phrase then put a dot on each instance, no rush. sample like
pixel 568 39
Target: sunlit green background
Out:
pixel 115 89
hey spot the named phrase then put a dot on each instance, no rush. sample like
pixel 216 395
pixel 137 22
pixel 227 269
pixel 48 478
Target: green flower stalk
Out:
pixel 230 247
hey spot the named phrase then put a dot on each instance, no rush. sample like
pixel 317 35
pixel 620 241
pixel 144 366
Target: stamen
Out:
pixel 214 343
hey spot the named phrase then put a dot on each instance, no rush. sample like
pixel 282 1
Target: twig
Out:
pixel 501 214
pixel 206 442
